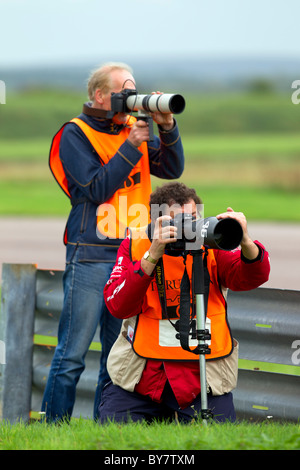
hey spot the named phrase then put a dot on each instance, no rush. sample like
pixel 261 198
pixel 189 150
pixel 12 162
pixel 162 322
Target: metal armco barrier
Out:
pixel 265 322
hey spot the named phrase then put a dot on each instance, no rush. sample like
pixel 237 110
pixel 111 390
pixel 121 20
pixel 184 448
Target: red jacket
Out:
pixel 124 293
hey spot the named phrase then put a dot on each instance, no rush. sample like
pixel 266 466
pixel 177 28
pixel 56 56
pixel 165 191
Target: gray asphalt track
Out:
pixel 39 241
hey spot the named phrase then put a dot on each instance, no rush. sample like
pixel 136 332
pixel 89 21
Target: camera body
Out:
pixel 224 234
pixel 118 100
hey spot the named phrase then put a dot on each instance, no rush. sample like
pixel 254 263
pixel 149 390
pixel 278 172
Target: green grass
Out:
pixel 39 112
pixel 242 150
pixel 264 184
pixel 261 204
pixel 21 149
pixel 236 147
pixel 33 197
pixel 239 113
pixel 39 198
pixel 87 435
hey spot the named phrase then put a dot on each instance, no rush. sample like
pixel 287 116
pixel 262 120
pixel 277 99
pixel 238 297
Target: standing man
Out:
pixel 100 159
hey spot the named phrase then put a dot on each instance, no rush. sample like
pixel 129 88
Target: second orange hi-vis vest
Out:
pixel 154 336
pixel 129 206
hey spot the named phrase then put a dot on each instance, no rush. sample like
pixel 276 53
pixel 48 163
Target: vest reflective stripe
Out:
pixel 129 204
pixel 154 336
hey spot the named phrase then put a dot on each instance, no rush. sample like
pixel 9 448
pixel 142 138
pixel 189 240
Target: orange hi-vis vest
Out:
pixel 129 206
pixel 154 336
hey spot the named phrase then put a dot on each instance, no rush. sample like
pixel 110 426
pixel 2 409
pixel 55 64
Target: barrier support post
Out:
pixel 17 328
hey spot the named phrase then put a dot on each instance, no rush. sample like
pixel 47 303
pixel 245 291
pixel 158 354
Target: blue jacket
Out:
pixel 93 183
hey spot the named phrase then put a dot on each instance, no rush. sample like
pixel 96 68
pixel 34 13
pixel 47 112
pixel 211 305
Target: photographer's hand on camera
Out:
pixel 139 133
pixel 161 237
pixel 164 120
pixel 249 249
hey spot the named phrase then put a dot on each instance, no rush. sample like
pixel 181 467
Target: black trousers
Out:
pixel 119 405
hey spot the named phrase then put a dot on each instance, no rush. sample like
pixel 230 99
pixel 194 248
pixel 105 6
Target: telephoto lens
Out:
pixel 223 234
pixel 164 103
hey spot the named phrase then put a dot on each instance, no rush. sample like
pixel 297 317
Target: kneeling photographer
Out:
pixel 153 376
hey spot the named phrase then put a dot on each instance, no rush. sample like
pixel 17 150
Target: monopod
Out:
pixel 203 334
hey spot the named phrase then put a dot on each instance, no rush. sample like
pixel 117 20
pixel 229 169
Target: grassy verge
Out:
pixel 219 147
pixel 87 435
pixel 261 204
pixel 32 197
pixel 45 198
pixel 266 188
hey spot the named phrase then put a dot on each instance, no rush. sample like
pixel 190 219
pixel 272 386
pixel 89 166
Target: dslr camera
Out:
pixel 223 234
pixel 129 100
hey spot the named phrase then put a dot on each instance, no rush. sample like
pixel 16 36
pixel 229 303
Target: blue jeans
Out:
pixel 83 309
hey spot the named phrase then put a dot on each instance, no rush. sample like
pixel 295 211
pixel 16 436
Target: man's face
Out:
pixel 188 208
pixel 121 79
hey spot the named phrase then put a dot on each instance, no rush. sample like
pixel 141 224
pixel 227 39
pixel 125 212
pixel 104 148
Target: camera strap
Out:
pixel 95 112
pixel 160 280
pixel 186 321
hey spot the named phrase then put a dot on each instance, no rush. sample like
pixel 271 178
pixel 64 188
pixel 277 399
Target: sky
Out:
pixel 58 32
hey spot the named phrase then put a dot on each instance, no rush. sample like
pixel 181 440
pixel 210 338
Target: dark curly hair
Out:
pixel 172 193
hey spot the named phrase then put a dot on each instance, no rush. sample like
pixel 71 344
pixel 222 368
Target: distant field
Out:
pixel 241 150
pixel 221 148
pixel 29 189
pixel 39 113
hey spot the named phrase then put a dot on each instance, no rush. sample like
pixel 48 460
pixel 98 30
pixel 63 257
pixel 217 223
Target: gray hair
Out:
pixel 101 77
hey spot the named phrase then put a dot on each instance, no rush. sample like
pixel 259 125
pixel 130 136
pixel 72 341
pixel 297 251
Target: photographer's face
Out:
pixel 188 208
pixel 120 79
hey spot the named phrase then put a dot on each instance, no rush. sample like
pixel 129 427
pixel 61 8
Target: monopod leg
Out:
pixel 201 341
pixel 202 333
